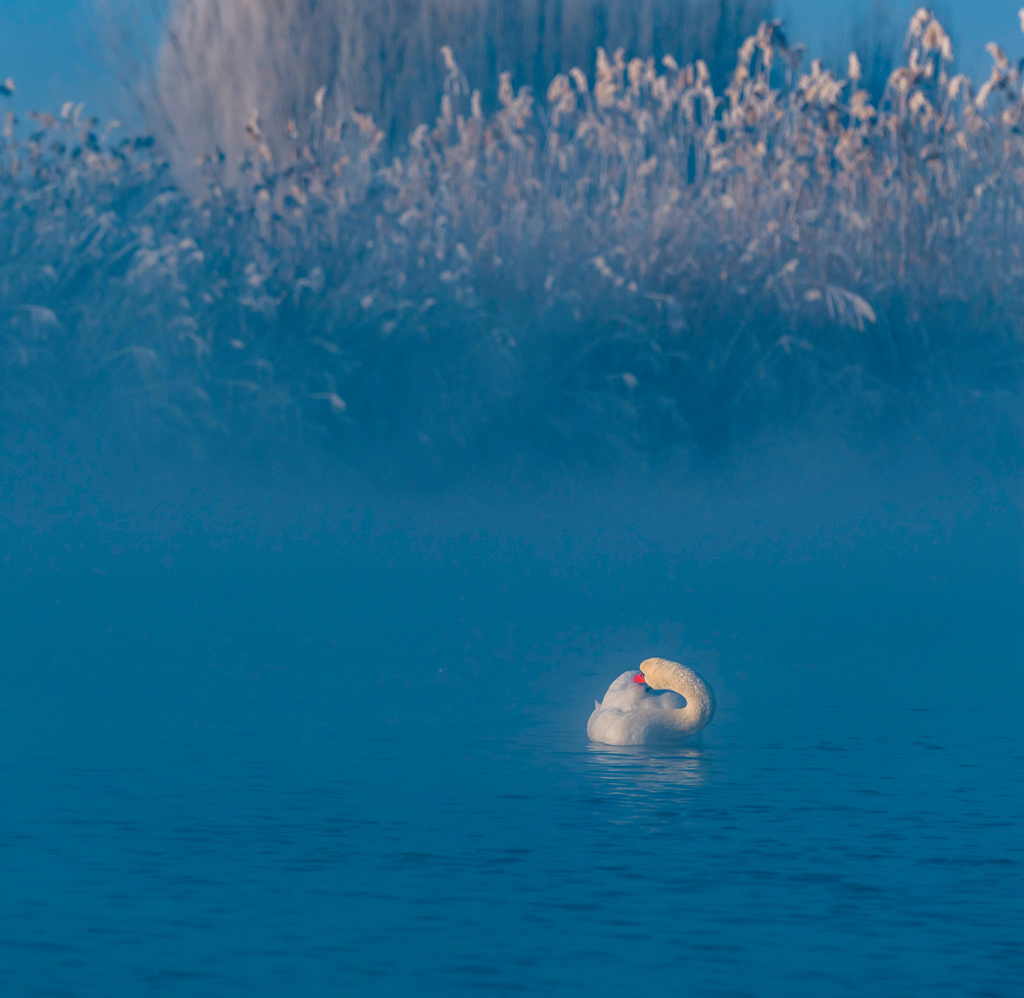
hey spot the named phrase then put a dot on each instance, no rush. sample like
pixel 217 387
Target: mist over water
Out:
pixel 330 503
pixel 266 730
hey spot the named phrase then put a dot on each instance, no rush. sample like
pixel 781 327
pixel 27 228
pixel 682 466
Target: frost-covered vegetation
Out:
pixel 630 266
pixel 222 59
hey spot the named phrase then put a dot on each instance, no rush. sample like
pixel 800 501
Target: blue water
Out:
pixel 268 741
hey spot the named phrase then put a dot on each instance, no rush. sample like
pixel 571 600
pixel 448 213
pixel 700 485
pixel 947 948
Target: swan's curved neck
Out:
pixel 661 674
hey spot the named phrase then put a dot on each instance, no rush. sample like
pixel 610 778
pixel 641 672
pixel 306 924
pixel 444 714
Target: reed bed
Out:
pixel 631 267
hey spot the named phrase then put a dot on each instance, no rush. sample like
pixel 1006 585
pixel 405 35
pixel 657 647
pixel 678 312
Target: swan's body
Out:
pixel 667 701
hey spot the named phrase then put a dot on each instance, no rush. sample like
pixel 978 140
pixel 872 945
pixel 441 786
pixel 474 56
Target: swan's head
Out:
pixel 659 673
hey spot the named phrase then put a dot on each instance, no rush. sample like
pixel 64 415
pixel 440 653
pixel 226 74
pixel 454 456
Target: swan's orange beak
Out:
pixel 639 678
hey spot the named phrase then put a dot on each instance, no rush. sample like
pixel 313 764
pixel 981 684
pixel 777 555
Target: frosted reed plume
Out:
pixel 223 60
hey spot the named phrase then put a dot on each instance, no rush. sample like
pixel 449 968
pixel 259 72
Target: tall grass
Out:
pixel 633 267
pixel 221 61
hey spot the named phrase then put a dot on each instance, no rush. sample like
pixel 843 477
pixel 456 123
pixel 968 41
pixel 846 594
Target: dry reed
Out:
pixel 223 60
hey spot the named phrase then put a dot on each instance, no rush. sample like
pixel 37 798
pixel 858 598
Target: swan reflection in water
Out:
pixel 646 787
pixel 629 769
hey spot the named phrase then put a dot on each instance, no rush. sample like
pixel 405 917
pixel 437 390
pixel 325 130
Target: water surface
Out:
pixel 347 754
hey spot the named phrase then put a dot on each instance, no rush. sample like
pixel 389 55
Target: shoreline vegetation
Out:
pixel 632 267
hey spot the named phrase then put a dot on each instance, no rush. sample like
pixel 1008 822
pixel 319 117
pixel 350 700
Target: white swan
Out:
pixel 665 701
